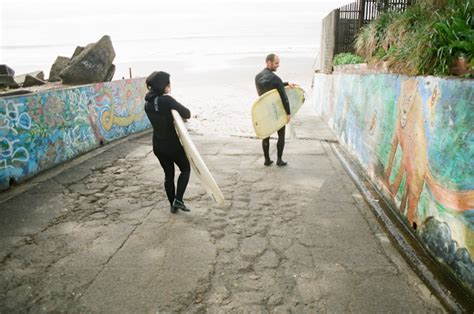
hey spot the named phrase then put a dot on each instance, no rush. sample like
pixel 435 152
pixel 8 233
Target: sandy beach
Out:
pixel 220 96
pixel 212 50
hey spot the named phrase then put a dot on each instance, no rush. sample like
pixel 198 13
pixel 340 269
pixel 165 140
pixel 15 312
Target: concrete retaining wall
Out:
pixel 47 128
pixel 328 42
pixel 414 136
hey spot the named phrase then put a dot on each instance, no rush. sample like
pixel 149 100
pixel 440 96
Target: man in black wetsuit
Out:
pixel 267 80
pixel 166 145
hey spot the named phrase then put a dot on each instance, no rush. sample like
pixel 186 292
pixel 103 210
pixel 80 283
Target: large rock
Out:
pixel 20 79
pixel 6 70
pixel 7 77
pixel 8 81
pixel 32 81
pixel 58 66
pixel 91 65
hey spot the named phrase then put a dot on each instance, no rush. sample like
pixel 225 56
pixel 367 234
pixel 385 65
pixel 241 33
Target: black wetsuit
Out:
pixel 166 145
pixel 265 81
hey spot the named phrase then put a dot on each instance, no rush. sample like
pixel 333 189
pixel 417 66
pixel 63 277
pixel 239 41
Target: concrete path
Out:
pixel 96 235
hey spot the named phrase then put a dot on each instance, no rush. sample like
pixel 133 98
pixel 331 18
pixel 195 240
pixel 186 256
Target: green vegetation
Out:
pixel 430 37
pixel 347 58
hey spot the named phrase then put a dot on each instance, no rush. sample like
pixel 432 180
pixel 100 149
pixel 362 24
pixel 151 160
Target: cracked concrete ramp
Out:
pixel 100 238
pixel 158 269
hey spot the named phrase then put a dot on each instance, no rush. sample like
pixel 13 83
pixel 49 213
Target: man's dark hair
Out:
pixel 270 57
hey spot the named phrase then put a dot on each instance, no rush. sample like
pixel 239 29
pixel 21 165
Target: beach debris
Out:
pixel 91 64
pixel 7 77
pixel 20 79
pixel 58 66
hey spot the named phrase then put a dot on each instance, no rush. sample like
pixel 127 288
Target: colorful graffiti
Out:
pixel 414 136
pixel 11 120
pixel 45 129
pixel 119 109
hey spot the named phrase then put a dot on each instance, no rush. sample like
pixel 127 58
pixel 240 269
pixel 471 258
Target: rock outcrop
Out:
pixel 91 65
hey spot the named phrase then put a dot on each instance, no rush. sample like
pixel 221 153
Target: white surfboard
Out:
pixel 197 163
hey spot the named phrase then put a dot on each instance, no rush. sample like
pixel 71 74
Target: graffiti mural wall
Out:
pixel 45 129
pixel 415 138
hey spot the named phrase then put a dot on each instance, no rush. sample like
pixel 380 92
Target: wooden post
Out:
pixel 361 13
pixel 337 36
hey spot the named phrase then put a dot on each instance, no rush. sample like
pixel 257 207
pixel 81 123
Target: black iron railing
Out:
pixel 351 17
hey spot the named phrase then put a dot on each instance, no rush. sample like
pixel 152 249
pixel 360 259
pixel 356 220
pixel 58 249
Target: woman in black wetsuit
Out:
pixel 166 145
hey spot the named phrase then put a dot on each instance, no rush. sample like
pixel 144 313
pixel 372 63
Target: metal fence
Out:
pixel 351 17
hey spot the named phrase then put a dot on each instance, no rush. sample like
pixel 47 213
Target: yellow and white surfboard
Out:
pixel 268 113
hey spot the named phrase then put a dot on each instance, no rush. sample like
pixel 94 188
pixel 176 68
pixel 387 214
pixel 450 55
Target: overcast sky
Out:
pixel 29 27
pixel 56 13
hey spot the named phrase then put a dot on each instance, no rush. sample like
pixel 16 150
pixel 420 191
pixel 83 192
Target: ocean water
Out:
pixel 207 34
